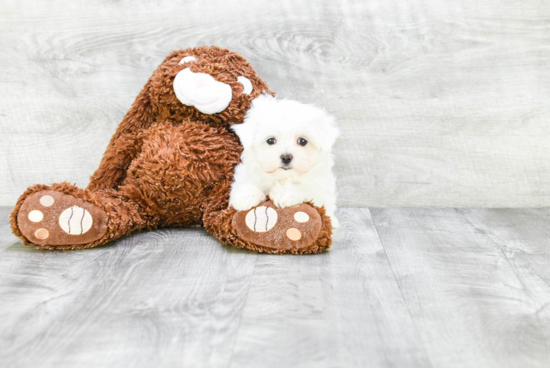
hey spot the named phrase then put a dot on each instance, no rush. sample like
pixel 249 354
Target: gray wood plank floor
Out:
pixel 400 288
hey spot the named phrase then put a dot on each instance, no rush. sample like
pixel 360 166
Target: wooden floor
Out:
pixel 400 288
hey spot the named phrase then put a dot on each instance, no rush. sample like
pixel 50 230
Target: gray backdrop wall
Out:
pixel 441 103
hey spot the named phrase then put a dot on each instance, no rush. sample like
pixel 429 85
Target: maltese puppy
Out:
pixel 287 156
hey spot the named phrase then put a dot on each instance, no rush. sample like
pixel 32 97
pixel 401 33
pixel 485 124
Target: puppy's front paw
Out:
pixel 284 197
pixel 245 201
pixel 335 222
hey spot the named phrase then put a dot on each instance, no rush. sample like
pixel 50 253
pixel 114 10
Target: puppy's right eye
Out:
pixel 271 141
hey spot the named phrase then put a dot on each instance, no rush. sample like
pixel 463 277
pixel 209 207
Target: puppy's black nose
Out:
pixel 286 158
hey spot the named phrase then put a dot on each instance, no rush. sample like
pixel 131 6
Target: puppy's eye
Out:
pixel 271 141
pixel 302 142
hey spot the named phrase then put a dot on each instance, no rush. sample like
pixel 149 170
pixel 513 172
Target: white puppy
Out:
pixel 287 156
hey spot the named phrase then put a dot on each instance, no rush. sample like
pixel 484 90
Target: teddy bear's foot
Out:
pixel 296 229
pixel 49 219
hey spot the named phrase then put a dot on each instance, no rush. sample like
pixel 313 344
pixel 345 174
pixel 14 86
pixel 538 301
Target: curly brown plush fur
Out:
pixel 168 164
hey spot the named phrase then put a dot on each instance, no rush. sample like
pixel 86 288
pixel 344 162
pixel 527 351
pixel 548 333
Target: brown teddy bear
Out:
pixel 171 163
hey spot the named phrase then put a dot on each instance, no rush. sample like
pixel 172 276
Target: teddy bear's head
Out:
pixel 206 84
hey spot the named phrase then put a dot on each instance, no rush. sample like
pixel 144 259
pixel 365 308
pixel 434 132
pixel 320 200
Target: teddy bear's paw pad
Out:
pixel 281 230
pixel 261 219
pixel 54 218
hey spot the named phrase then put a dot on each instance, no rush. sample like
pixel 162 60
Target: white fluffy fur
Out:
pixel 262 172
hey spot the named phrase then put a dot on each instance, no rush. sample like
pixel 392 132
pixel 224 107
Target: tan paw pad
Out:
pixel 42 234
pixel 279 230
pixel 54 218
pixel 293 234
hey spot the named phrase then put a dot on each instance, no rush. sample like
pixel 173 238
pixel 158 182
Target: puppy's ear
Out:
pixel 245 131
pixel 326 130
pixel 259 109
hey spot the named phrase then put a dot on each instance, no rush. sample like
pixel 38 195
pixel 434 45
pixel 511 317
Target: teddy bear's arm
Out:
pixel 125 144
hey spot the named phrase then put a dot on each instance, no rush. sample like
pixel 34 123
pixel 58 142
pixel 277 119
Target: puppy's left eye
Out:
pixel 302 142
pixel 271 141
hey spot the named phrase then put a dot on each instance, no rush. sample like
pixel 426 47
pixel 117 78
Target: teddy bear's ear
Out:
pixel 247 85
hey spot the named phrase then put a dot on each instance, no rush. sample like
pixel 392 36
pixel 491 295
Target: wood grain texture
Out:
pixel 161 299
pixel 472 306
pixel 399 288
pixel 523 238
pixel 338 309
pixel 176 297
pixel 441 103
